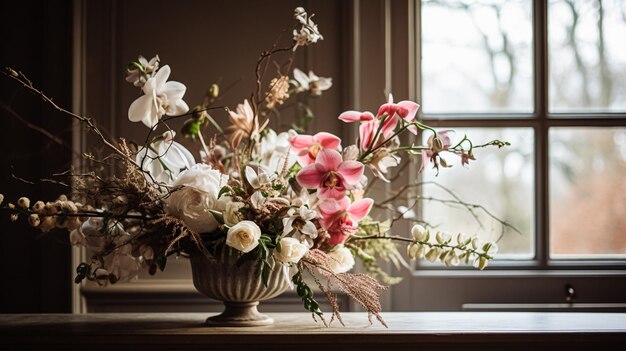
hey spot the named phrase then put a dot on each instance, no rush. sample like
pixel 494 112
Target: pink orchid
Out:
pixel 340 218
pixel 367 132
pixel 354 116
pixel 330 175
pixel 307 147
pixel 442 143
pixel 404 109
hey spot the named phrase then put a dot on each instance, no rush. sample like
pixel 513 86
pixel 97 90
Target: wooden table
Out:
pixel 297 331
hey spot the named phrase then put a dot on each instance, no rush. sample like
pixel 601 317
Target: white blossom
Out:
pixel 197 195
pixel 165 158
pixel 243 236
pixel 161 97
pixel 291 250
pixel 299 225
pixel 311 82
pixel 341 259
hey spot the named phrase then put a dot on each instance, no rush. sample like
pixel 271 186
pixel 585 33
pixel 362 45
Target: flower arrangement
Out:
pixel 280 199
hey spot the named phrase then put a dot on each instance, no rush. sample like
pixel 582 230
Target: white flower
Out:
pixel 136 76
pixel 161 97
pixel 291 250
pixel 350 153
pixel 122 265
pixel 232 215
pixel 94 237
pixel 312 83
pixel 419 233
pixel 256 180
pixel 341 259
pixel 165 158
pixel 258 200
pixel 382 161
pixel 308 33
pixel 192 203
pixel 147 252
pixel 274 152
pixel 299 225
pixel 243 236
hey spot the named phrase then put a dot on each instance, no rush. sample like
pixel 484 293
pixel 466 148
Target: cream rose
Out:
pixel 341 259
pixel 191 203
pixel 243 236
pixel 232 215
pixel 291 250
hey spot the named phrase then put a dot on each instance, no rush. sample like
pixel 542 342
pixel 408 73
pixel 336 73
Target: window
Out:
pixel 550 77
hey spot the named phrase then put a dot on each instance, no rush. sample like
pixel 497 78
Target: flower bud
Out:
pixel 1 199
pixel 73 223
pixel 23 202
pixel 419 233
pixel 76 238
pixel 442 238
pixel 39 206
pixel 34 220
pixel 481 262
pixel 62 197
pixel 214 91
pixel 13 217
pixel 411 251
pixel 47 223
pixel 432 254
pixel 462 239
pixel 490 248
pixel 147 252
pixel 452 259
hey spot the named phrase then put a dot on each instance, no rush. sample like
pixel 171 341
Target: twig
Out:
pixel 43 131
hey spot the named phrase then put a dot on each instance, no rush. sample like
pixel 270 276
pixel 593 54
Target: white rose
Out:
pixel 191 203
pixel 232 215
pixel 243 236
pixel 341 259
pixel 291 250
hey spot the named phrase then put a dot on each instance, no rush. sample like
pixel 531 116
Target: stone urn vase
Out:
pixel 238 288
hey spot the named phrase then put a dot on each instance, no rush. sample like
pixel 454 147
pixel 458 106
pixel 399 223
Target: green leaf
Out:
pixel 306 294
pixel 223 190
pixel 161 261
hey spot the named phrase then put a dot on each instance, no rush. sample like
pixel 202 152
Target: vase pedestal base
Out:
pixel 240 314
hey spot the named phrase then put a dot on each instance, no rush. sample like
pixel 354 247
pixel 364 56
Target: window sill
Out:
pixel 438 330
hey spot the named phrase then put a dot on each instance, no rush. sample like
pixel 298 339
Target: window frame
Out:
pixel 541 120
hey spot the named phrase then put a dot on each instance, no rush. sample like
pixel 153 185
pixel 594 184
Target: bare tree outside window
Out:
pixel 587 55
pixel 478 66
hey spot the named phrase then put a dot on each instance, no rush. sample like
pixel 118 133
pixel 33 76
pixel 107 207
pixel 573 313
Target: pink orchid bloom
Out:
pixel 354 116
pixel 307 147
pixel 340 218
pixel 367 132
pixel 330 175
pixel 404 109
pixel 443 143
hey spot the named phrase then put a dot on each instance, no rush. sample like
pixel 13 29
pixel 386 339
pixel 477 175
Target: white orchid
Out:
pixel 312 83
pixel 257 180
pixel 308 33
pixel 300 226
pixel 274 152
pixel 142 71
pixel 161 97
pixel 165 158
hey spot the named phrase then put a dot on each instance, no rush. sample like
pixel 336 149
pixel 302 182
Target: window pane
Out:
pixel 587 55
pixel 587 192
pixel 477 56
pixel 501 180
